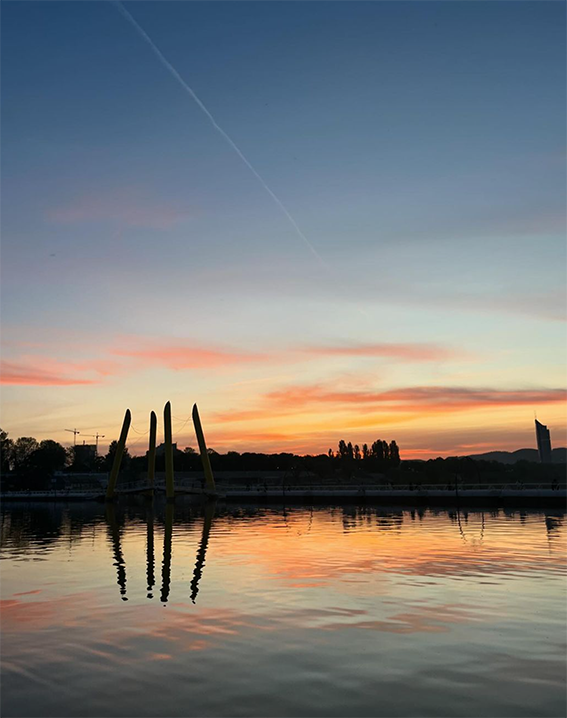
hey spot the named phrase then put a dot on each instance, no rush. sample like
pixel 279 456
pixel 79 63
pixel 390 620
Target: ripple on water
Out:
pixel 326 611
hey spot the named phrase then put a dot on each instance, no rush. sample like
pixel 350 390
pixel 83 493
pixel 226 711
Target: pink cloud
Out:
pixel 187 356
pixel 11 373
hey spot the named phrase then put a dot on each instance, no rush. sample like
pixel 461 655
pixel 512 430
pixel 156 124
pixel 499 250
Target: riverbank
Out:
pixel 527 495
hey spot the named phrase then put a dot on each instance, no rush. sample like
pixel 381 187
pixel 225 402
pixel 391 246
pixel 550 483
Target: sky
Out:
pixel 316 220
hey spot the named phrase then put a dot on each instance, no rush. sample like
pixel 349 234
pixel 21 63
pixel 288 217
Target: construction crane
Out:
pixel 96 437
pixel 74 432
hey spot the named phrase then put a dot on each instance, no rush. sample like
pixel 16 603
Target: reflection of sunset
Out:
pixel 230 585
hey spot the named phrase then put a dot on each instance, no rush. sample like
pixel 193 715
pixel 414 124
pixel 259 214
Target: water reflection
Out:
pixel 150 560
pixel 114 531
pixel 467 607
pixel 418 549
pixel 114 536
pixel 166 565
pixel 201 553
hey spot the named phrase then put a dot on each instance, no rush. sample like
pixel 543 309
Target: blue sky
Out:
pixel 420 147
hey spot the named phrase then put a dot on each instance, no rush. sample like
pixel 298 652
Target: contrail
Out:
pixel 218 128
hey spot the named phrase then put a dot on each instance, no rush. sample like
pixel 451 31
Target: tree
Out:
pixel 350 450
pixel 343 451
pixel 394 453
pixel 386 450
pixel 22 450
pixel 330 454
pixel 365 451
pixel 6 451
pixel 357 452
pixel 48 458
pixel 378 450
pixel 37 468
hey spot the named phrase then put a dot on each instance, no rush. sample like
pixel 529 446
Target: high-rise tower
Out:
pixel 543 443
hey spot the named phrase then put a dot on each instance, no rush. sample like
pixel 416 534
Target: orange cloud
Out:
pixel 433 397
pixel 11 373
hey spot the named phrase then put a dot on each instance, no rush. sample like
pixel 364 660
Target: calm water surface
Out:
pixel 331 611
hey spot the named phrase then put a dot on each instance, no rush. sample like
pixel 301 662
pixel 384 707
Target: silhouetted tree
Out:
pixel 350 451
pixel 394 454
pixel 48 458
pixel 357 452
pixel 39 467
pixel 6 451
pixel 378 450
pixel 365 452
pixel 22 450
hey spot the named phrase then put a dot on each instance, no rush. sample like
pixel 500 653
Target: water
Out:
pixel 331 611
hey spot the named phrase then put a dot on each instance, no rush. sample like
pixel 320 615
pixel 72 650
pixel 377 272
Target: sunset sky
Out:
pixel 375 248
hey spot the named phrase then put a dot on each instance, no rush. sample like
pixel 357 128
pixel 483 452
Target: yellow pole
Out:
pixel 169 482
pixel 152 450
pixel 118 457
pixel 209 478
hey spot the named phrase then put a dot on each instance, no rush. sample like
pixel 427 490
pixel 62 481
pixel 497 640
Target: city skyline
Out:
pixel 143 260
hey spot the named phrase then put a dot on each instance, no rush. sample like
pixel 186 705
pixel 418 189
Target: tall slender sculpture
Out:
pixel 209 479
pixel 169 481
pixel 152 451
pixel 110 489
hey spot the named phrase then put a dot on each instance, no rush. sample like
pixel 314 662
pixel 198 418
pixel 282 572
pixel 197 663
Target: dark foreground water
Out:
pixel 130 611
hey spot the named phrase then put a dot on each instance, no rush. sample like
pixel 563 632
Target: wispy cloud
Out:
pixel 124 208
pixel 11 373
pixel 440 397
pixel 185 356
pixel 407 352
pixel 384 407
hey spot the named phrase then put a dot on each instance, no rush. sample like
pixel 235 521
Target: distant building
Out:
pixel 543 443
pixel 85 454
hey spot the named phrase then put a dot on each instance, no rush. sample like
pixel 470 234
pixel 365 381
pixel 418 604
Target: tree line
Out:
pixel 34 463
pixel 380 452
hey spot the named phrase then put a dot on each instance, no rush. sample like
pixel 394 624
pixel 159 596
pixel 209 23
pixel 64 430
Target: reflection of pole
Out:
pixel 118 456
pixel 209 480
pixel 119 562
pixel 152 450
pixel 166 567
pixel 150 551
pixel 169 485
pixel 201 553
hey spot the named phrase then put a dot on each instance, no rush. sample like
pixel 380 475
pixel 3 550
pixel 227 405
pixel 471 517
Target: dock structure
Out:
pixel 111 488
